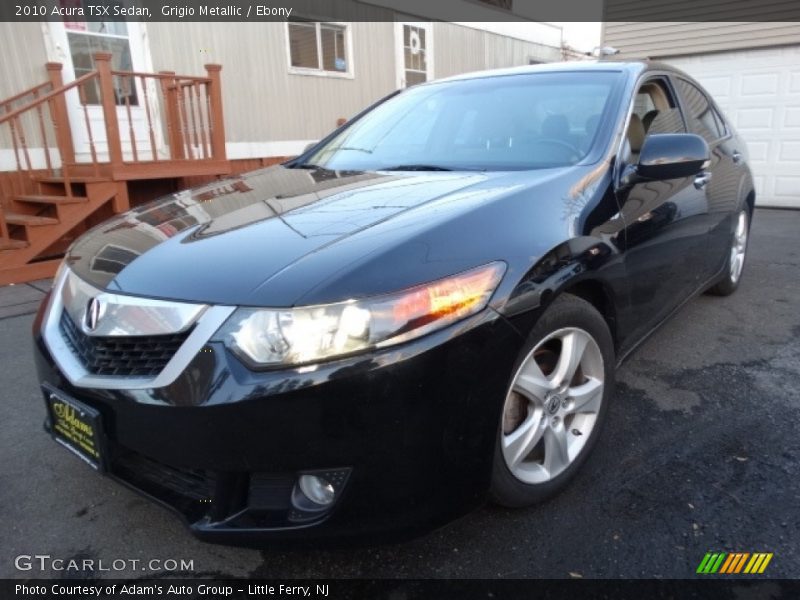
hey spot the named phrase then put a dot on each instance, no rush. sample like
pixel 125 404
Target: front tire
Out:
pixel 736 257
pixel 555 405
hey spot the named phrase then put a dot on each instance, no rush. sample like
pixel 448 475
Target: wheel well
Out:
pixel 596 294
pixel 751 201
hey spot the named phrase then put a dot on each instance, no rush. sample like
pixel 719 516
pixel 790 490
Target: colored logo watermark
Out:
pixel 732 563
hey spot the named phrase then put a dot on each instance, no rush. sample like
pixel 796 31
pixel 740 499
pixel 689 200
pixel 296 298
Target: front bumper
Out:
pixel 222 445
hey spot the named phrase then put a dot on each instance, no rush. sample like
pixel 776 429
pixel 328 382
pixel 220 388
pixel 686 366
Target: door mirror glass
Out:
pixel 672 156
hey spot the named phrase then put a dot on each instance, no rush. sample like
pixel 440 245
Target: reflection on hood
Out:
pixel 311 203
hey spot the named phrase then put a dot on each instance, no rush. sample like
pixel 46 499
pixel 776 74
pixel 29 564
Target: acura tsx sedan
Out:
pixel 421 312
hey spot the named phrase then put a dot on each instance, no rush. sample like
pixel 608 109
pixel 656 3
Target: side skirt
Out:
pixel 697 292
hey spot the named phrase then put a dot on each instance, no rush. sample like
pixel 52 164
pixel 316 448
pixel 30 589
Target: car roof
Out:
pixel 632 67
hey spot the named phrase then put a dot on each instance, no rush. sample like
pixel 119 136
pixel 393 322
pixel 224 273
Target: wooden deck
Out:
pixel 59 185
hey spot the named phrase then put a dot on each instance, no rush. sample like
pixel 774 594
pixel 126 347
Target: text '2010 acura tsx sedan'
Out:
pixel 422 311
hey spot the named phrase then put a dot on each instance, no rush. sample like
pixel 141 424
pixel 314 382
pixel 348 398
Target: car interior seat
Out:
pixel 635 137
pixel 648 118
pixel 556 127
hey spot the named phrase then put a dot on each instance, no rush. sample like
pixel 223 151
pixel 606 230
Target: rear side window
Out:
pixel 702 116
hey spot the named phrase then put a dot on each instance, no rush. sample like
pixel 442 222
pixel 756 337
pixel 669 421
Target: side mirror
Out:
pixel 672 156
pixel 309 146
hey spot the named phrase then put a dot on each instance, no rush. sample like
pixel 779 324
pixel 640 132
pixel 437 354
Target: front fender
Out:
pixel 585 262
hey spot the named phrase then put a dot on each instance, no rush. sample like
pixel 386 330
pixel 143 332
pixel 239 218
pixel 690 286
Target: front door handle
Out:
pixel 701 180
pixel 737 157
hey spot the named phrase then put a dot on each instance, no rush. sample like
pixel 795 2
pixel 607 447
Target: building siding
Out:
pixel 698 12
pixel 23 57
pixel 264 103
pixel 262 100
pixel 666 39
pixel 459 49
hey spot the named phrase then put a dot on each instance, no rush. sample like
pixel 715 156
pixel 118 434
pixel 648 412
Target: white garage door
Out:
pixel 759 90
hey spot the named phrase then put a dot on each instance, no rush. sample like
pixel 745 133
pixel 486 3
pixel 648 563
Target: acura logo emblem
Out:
pixel 92 318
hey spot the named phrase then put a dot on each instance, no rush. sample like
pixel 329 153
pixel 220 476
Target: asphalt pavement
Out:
pixel 700 453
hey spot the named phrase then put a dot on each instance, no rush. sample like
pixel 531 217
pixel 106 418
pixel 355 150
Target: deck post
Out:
pixel 66 148
pixel 174 128
pixel 102 62
pixel 215 112
pixel 121 202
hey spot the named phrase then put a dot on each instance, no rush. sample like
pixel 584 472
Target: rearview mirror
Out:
pixel 671 156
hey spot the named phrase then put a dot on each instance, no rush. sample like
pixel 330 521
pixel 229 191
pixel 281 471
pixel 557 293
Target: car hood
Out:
pixel 271 237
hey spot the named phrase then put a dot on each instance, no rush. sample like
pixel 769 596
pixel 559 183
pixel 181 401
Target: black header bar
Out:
pixel 390 10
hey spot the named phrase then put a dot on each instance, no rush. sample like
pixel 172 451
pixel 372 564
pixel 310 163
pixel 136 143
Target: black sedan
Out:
pixel 422 311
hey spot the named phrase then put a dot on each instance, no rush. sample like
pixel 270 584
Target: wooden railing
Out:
pixel 31 120
pixel 7 105
pixel 192 112
pixel 148 120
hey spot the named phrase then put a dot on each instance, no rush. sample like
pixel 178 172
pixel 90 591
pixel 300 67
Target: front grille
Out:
pixel 135 355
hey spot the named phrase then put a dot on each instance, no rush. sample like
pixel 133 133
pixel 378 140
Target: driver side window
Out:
pixel 654 111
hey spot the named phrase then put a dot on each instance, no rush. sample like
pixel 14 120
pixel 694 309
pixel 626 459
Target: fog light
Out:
pixel 317 489
pixel 315 493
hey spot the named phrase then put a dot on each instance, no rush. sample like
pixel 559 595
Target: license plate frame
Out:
pixel 76 426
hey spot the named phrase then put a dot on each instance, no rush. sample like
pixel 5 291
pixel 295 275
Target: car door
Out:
pixel 722 189
pixel 665 221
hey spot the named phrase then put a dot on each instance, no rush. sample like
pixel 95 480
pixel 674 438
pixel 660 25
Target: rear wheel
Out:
pixel 736 257
pixel 556 403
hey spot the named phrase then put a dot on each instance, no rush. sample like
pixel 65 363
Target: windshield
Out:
pixel 535 120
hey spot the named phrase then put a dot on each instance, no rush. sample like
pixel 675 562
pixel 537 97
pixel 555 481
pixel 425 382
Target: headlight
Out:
pixel 266 337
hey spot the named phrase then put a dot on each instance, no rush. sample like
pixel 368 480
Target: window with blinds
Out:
pixel 318 46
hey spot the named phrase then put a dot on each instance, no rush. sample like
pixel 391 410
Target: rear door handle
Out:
pixel 737 157
pixel 701 180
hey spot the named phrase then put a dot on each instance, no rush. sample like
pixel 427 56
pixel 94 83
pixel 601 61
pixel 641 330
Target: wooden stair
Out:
pixel 29 220
pixel 6 244
pixel 37 221
pixel 40 199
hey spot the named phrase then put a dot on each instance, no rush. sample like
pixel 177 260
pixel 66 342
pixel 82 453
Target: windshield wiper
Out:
pixel 354 149
pixel 416 167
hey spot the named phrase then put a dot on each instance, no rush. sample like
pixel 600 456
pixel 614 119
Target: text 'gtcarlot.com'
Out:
pixel 45 562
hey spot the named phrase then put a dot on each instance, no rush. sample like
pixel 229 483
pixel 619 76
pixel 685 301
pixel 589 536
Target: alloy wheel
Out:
pixel 739 247
pixel 552 405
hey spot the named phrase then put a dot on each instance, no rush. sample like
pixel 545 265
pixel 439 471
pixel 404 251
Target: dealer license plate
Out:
pixel 76 426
